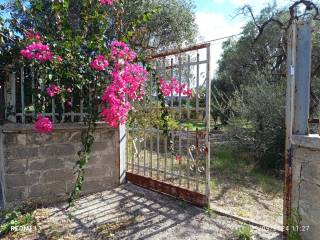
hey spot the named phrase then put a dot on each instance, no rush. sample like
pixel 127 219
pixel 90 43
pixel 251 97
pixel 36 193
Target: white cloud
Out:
pixel 213 26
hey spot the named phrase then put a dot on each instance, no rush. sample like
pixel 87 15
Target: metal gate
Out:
pixel 175 162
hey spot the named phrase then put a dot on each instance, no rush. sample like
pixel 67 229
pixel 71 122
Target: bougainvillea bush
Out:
pixel 80 50
pixel 74 57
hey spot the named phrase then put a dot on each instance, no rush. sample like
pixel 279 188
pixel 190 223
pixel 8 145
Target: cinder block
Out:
pixel 18 180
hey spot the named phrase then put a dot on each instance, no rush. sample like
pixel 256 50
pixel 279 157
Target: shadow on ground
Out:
pixel 130 212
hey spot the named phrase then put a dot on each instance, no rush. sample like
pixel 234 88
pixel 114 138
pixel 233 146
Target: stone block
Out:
pixel 18 180
pixel 21 153
pixel 75 137
pixel 57 150
pixel 10 139
pixel 311 172
pixel 15 194
pixel 102 159
pixel 19 166
pixel 102 146
pixel 56 175
pixel 50 189
pixel 46 164
pixel 96 172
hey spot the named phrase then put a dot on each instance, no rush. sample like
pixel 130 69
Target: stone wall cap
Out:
pixel 19 127
pixel 307 141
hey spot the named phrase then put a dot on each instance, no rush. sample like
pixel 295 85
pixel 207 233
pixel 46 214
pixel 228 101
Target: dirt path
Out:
pixel 130 212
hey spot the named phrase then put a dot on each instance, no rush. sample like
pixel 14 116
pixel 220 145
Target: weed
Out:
pixel 294 225
pixel 244 232
pixel 209 212
pixel 15 219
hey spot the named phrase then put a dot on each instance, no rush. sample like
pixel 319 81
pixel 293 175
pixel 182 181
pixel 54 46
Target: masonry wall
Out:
pixel 39 168
pixel 306 184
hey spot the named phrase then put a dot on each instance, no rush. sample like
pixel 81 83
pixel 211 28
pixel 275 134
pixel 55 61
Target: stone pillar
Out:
pixel 306 183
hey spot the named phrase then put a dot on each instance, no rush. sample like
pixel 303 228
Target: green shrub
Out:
pixel 258 121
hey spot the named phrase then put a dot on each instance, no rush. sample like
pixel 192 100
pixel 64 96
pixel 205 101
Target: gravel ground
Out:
pixel 131 212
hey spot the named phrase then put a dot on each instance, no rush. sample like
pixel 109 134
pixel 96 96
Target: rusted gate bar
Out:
pixel 172 190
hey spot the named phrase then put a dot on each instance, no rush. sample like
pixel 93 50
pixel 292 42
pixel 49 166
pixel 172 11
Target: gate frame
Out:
pixel 180 192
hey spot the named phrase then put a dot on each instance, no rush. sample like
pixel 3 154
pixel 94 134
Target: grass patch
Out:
pixel 193 125
pixel 267 182
pixel 235 164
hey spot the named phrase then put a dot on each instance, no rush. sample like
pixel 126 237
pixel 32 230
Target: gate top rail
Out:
pixel 179 50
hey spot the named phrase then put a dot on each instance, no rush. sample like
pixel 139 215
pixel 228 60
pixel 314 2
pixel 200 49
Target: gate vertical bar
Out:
pixel 144 136
pixel 188 83
pixel 180 118
pixel 197 86
pixel 165 137
pixel 12 81
pixel 172 134
pixel 138 149
pixel 23 117
pixel 158 135
pixel 208 104
pixel 150 132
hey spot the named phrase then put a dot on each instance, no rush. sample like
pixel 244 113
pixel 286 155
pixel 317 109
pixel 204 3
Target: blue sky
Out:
pixel 217 18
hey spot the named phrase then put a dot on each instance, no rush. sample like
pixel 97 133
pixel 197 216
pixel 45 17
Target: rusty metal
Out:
pixel 169 189
pixel 178 51
pixel 314 120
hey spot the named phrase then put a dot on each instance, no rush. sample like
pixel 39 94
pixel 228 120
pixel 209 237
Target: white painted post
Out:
pixel 123 152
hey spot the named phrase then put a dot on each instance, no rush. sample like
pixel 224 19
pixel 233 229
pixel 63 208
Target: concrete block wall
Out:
pixel 39 167
pixel 306 183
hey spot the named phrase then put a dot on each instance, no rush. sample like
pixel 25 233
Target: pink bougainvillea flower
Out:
pixel 43 124
pixel 174 87
pixel 127 81
pixel 37 51
pixel 106 2
pixel 121 53
pixel 58 58
pixel 53 90
pixel 69 90
pixel 99 63
pixel 31 35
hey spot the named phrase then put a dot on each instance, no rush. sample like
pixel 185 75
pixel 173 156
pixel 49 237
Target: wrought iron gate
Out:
pixel 176 163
